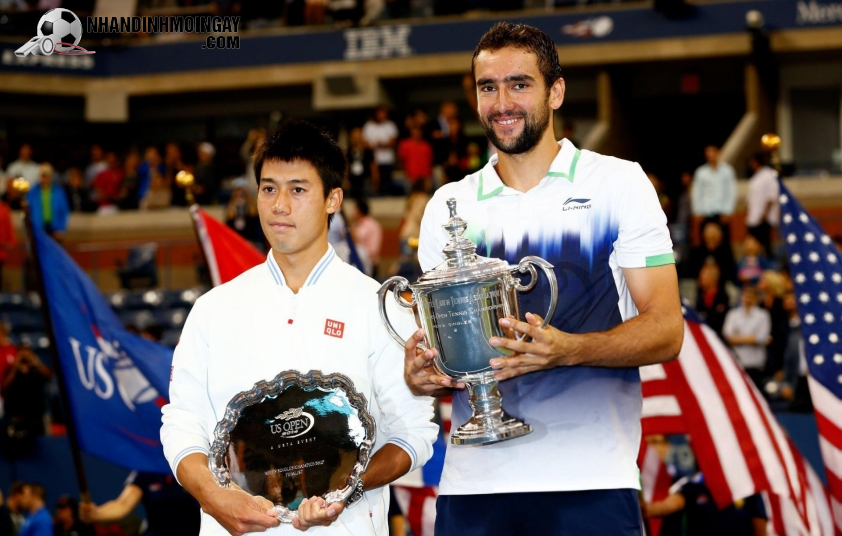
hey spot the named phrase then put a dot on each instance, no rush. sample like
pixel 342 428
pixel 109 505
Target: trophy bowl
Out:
pixel 459 304
pixel 294 437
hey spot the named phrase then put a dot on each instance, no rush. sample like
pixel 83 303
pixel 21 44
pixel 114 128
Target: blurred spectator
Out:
pixel 151 162
pixel 241 214
pixel 48 205
pixel 691 498
pixel 255 138
pixel 8 240
pixel 663 199
pixel 24 166
pixel 11 512
pixel 170 511
pixel 448 111
pixel 713 245
pixel 712 301
pixel 381 135
pixel 680 228
pixel 339 236
pixel 39 522
pixel 24 401
pixel 360 160
pixel 410 229
pixel 473 159
pixel 127 198
pixel 752 263
pixel 747 329
pixel 347 10
pixel 367 233
pixel 314 11
pixel 771 289
pixel 174 161
pixel 3 180
pixel 159 194
pixel 105 188
pixel 78 195
pixel 8 351
pixel 762 208
pixel 98 164
pixel 205 175
pixel 794 373
pixel 67 522
pixel 419 118
pixel 416 155
pixel 714 193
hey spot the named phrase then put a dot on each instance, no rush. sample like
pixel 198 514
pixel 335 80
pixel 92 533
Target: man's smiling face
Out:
pixel 514 103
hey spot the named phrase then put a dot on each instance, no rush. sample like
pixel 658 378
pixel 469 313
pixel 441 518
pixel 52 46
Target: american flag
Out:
pixel 739 445
pixel 816 270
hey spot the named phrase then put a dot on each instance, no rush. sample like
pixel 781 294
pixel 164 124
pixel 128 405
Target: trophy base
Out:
pixel 484 433
pixel 489 423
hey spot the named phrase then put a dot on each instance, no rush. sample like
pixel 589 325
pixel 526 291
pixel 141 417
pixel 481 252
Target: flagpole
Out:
pixel 21 185
pixel 185 179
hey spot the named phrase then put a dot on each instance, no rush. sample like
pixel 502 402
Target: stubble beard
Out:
pixel 534 126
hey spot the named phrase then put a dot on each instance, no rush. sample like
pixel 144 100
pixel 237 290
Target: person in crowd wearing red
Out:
pixel 7 236
pixel 416 155
pixel 106 185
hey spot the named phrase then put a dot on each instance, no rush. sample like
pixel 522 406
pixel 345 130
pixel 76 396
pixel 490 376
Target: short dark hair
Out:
pixel 761 158
pixel 37 490
pixel 17 488
pixel 508 34
pixel 300 140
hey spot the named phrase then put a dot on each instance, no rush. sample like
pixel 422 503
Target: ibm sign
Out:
pixel 377 43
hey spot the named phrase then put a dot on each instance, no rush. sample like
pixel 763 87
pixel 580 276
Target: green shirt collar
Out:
pixel 563 166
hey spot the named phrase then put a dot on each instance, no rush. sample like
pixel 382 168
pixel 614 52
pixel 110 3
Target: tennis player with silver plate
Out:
pixel 460 303
pixel 293 437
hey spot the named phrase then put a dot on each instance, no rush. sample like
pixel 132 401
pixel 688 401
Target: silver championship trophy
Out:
pixel 295 437
pixel 460 303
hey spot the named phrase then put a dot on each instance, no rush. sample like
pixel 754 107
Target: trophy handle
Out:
pixel 402 285
pixel 528 264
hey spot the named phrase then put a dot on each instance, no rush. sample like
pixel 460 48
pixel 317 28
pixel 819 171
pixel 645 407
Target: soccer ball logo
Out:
pixel 59 30
pixel 63 26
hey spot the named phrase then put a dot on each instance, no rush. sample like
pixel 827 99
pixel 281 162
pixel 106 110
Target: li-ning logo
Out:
pixel 581 204
pixel 59 31
pixel 295 423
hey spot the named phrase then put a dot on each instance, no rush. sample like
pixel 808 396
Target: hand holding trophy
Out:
pixel 460 304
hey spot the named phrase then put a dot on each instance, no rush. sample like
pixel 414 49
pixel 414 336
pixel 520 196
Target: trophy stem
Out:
pixel 488 423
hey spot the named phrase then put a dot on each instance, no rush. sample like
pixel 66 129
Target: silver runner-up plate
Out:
pixel 294 437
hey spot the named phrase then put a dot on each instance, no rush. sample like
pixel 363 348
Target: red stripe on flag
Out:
pixel 776 515
pixel 828 430
pixel 700 438
pixel 673 425
pixel 799 502
pixel 735 415
pixel 656 388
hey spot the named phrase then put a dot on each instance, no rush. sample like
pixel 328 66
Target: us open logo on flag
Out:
pixel 334 328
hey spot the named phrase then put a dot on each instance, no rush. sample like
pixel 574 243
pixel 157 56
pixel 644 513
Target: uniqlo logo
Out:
pixel 334 328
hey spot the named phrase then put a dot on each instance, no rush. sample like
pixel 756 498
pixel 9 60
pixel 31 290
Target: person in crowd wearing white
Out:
pixel 763 210
pixel 24 167
pixel 381 136
pixel 747 329
pixel 713 195
pixel 274 317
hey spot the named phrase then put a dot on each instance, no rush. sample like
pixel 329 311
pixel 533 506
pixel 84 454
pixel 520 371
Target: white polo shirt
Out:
pixel 255 327
pixel 742 322
pixel 591 216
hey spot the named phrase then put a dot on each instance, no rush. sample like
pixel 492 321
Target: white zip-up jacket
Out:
pixel 254 327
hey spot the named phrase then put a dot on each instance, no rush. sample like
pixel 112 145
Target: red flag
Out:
pixel 228 254
pixel 655 481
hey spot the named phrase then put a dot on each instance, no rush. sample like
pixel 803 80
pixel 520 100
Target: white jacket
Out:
pixel 254 327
